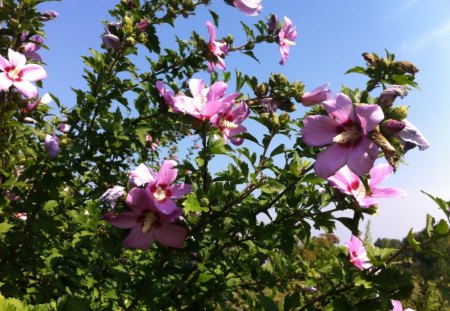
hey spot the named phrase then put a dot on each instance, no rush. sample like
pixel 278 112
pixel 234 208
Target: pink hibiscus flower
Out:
pixel 229 122
pixel 358 253
pixel 217 48
pixel 316 96
pixel 147 223
pixel 349 183
pixel 17 73
pixel 398 306
pixel 286 38
pixel 345 131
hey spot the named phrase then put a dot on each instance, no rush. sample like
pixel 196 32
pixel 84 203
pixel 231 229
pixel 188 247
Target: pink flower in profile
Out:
pixel 205 101
pixel 316 96
pixel 349 183
pixel 248 7
pixel 358 253
pixel 147 223
pixel 46 99
pixel 217 48
pixel 29 49
pixel 398 306
pixel 229 122
pixel 17 73
pixel 286 38
pixel 344 131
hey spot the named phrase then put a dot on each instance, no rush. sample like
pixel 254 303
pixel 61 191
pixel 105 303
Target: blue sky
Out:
pixel 331 37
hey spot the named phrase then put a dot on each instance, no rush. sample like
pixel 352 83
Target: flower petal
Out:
pixel 16 59
pixel 140 200
pixel 125 220
pixel 170 235
pixel 167 207
pixel 319 130
pixel 140 176
pixel 4 63
pixel 211 30
pixel 237 141
pixel 33 72
pixel 359 160
pixel 345 180
pixel 167 173
pixel 137 239
pixel 340 109
pixel 367 201
pixel 179 190
pixel 379 173
pixel 411 134
pixel 5 82
pixel 388 193
pixel 26 88
pixel 369 116
pixel 330 160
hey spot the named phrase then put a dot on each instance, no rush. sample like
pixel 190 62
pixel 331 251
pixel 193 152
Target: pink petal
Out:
pixel 137 239
pixel 141 175
pixel 33 72
pixel 240 113
pixel 367 201
pixel 248 7
pixel 217 91
pixel 5 82
pixel 140 200
pixel 345 179
pixel 170 235
pixel 369 116
pixel 196 86
pixel 319 130
pixel 16 59
pixel 167 207
pixel 214 107
pixel 167 173
pixel 397 305
pixel 379 173
pixel 211 30
pixel 4 63
pixel 237 141
pixel 124 220
pixel 340 109
pixel 388 193
pixel 179 190
pixel 330 160
pixel 358 160
pixel 26 88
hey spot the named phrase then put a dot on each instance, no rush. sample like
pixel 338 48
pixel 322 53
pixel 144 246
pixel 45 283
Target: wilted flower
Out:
pixel 229 122
pixel 358 253
pixel 345 129
pixel 269 104
pixel 272 24
pixel 17 73
pixel 286 38
pixel 316 96
pixel 411 137
pixel 398 306
pixel 110 37
pixel 248 7
pixel 51 145
pixel 29 48
pixel 111 195
pixel 147 223
pixel 217 48
pixel 349 183
pixel 48 15
pixel 388 96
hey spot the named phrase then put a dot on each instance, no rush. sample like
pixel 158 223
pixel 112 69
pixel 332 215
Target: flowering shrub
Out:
pixel 72 180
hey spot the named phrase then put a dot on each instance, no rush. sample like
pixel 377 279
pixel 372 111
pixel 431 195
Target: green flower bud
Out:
pixel 142 38
pixel 130 41
pixel 399 113
pixel 204 202
pixel 284 119
pixel 261 89
pixel 250 45
pixel 407 67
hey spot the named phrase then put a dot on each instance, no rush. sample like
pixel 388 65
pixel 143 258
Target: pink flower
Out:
pixel 160 185
pixel 29 49
pixel 398 306
pixel 286 38
pixel 17 73
pixel 205 101
pixel 248 7
pixel 345 130
pixel 153 144
pixel 358 253
pixel 46 99
pixel 166 94
pixel 229 122
pixel 21 216
pixel 147 223
pixel 316 96
pixel 217 48
pixel 349 183
pixel 143 24
pixel 63 127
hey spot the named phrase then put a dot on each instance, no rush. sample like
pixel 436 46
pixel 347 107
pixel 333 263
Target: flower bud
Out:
pixel 48 15
pixel 111 41
pixel 13 22
pixel 261 89
pixel 143 24
pixel 250 45
pixel 130 41
pixel 370 58
pixel 204 202
pixel 272 24
pixel 392 126
pixel 388 96
pixel 408 67
pixel 399 113
pixel 51 145
pixel 284 119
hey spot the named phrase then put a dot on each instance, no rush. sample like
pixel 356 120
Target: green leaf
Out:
pixel 267 303
pixel 271 186
pixel 441 228
pixel 412 241
pixel 429 226
pixel 357 69
pixel 191 204
pixel 4 227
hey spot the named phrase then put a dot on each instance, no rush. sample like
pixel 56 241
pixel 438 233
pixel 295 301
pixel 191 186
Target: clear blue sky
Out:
pixel 332 36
